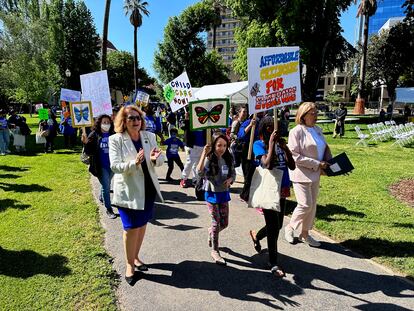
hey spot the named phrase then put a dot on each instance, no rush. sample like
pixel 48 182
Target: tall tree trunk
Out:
pixel 309 86
pixel 360 102
pixel 135 57
pixel 214 37
pixel 105 35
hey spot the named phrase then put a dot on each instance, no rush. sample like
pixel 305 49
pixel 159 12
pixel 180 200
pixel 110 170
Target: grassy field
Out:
pixel 359 211
pixel 51 243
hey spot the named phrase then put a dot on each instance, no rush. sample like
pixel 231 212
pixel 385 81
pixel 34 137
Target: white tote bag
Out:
pixel 265 189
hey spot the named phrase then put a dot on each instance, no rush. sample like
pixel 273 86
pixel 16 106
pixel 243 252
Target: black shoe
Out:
pixel 131 280
pixel 110 214
pixel 142 267
pixel 168 178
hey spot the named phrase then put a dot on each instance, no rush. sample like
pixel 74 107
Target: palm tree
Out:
pixel 366 8
pixel 105 34
pixel 136 8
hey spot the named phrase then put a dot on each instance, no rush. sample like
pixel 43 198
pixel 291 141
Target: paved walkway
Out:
pixel 182 275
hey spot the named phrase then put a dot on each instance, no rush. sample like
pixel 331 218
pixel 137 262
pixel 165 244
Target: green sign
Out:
pixel 169 93
pixel 43 114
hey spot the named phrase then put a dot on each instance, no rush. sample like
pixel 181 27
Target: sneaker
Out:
pixel 289 234
pixel 217 258
pixel 110 214
pixel 183 183
pixel 168 178
pixel 311 241
pixel 8 151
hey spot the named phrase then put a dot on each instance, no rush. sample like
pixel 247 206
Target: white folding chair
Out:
pixel 362 137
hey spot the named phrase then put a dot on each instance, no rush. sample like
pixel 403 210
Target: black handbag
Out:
pixel 199 191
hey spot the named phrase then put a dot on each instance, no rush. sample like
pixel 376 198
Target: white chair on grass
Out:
pixel 362 137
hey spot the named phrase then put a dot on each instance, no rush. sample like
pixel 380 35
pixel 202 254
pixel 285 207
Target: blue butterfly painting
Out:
pixel 81 114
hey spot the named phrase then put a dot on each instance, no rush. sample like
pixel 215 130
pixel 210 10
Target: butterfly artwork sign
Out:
pixel 81 113
pixel 209 113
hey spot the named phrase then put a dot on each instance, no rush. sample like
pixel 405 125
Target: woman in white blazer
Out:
pixel 133 153
pixel 310 152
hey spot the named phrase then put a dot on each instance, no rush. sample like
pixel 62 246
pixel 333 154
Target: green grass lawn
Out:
pixel 51 243
pixel 359 211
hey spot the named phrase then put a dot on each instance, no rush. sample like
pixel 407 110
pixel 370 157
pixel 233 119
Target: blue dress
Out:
pixel 137 218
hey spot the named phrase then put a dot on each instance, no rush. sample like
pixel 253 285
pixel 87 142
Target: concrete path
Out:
pixel 182 275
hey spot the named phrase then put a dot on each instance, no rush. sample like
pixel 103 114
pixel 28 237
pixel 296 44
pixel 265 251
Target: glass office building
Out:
pixel 386 9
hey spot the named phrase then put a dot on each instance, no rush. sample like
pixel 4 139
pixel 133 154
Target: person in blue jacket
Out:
pixel 173 144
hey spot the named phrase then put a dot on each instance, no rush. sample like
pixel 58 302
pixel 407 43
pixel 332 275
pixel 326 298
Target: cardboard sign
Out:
pixel 141 99
pixel 209 113
pixel 178 92
pixel 70 95
pixel 43 114
pixel 95 88
pixel 82 115
pixel 274 77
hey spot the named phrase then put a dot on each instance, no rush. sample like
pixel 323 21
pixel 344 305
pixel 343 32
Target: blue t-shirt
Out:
pixel 245 137
pixel 217 197
pixel 150 124
pixel 104 150
pixel 173 144
pixel 259 149
pixel 199 138
pixel 3 123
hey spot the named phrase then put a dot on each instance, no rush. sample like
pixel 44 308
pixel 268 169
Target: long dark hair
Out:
pixel 266 128
pixel 214 169
pixel 98 122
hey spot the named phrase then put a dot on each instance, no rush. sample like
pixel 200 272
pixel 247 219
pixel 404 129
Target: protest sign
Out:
pixel 274 77
pixel 178 92
pixel 81 113
pixel 69 95
pixel 209 113
pixel 95 88
pixel 38 107
pixel 43 114
pixel 141 99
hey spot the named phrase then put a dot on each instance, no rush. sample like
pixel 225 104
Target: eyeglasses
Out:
pixel 134 118
pixel 313 113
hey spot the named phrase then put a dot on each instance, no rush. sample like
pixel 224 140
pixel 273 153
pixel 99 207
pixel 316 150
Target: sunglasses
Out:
pixel 134 118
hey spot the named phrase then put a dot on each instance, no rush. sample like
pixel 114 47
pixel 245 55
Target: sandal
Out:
pixel 278 272
pixel 217 258
pixel 256 243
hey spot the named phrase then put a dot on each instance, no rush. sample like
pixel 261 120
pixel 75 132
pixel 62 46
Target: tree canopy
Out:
pixel 184 48
pixel 312 25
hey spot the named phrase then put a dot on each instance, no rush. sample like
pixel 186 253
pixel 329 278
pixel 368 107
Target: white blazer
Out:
pixel 129 183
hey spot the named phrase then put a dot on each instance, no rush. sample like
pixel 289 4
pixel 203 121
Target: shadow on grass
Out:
pixel 371 247
pixel 23 188
pixel 9 203
pixel 8 168
pixel 26 263
pixel 11 176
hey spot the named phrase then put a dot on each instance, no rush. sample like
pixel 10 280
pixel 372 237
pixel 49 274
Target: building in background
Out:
pixel 226 45
pixel 336 81
pixel 386 9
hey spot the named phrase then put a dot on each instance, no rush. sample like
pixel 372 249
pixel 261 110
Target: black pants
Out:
pixel 340 128
pixel 49 144
pixel 171 165
pixel 274 222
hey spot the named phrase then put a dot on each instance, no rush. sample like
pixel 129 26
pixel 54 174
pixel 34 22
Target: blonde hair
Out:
pixel 121 116
pixel 303 109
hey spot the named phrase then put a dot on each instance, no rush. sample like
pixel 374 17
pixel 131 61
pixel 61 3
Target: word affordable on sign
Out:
pixel 178 92
pixel 95 88
pixel 209 113
pixel 274 77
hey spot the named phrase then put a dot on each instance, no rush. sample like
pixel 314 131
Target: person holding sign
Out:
pixel 272 152
pixel 216 166
pixel 133 154
pixel 310 152
pixel 97 148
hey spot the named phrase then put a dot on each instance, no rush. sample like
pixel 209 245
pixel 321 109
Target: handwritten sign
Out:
pixel 274 77
pixel 141 99
pixel 209 113
pixel 95 88
pixel 43 114
pixel 178 92
pixel 38 106
pixel 70 95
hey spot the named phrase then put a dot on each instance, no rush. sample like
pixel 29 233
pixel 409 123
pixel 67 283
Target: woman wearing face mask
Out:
pixel 97 148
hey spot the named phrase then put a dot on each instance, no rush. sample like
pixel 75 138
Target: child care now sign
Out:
pixel 274 77
pixel 178 92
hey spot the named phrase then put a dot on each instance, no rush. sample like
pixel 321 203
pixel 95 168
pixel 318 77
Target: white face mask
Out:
pixel 105 127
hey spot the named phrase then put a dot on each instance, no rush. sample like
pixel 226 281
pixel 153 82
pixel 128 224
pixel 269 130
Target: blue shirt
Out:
pixel 245 137
pixel 217 197
pixel 173 144
pixel 104 150
pixel 259 149
pixel 199 139
pixel 3 123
